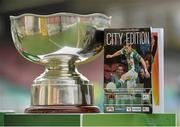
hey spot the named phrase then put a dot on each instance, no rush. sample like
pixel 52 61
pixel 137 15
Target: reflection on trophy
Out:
pixel 59 42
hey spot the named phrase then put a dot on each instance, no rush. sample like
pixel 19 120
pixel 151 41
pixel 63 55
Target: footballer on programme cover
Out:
pixel 127 70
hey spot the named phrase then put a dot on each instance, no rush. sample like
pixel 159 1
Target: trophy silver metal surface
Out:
pixel 58 42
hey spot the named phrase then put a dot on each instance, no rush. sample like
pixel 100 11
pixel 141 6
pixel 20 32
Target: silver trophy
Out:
pixel 59 42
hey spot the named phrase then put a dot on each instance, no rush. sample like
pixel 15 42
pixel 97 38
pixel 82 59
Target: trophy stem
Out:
pixel 64 64
pixel 61 88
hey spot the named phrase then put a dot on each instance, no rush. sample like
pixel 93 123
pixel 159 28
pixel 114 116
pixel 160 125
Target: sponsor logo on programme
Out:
pixel 110 109
pixel 145 97
pixel 120 109
pixel 136 109
pixel 145 109
pixel 128 109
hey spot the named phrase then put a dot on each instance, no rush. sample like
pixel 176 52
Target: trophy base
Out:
pixel 62 109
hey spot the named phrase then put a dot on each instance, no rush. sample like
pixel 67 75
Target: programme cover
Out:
pixel 128 61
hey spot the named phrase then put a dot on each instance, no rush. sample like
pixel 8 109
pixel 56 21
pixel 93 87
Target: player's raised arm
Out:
pixel 145 68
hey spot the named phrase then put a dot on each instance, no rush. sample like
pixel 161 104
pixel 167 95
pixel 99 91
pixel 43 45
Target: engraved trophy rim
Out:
pixel 60 14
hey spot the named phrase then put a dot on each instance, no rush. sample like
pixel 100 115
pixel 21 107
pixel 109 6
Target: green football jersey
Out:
pixel 133 59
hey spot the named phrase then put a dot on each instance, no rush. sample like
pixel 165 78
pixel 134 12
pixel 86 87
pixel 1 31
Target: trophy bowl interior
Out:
pixel 37 37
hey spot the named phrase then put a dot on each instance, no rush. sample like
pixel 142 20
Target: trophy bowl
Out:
pixel 59 42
